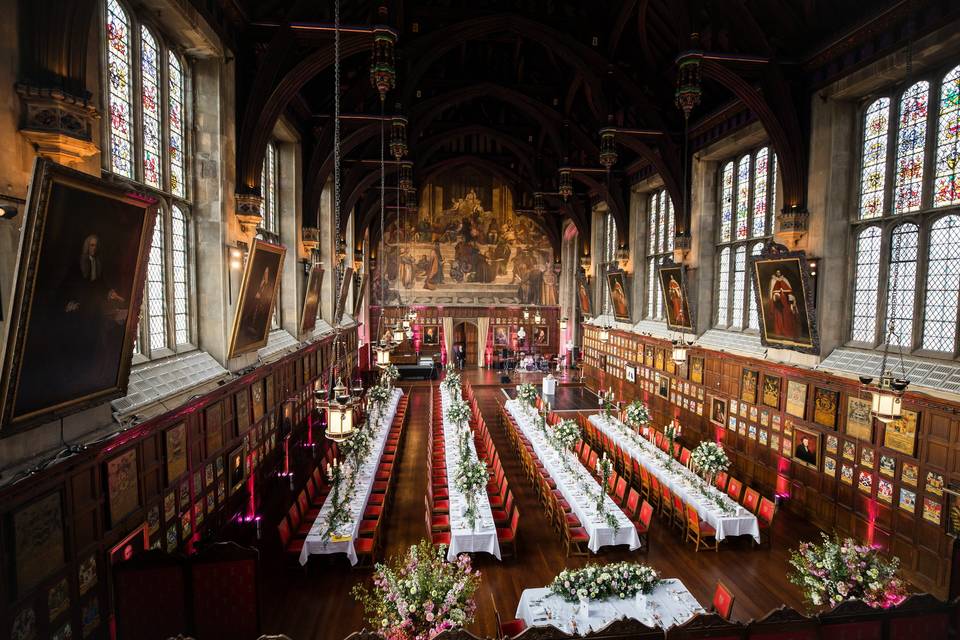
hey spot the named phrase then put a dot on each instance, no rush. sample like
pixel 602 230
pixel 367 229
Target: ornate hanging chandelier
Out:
pixel 406 176
pixel 383 73
pixel 689 90
pixel 608 148
pixel 539 204
pixel 566 182
pixel 398 137
pixel 886 394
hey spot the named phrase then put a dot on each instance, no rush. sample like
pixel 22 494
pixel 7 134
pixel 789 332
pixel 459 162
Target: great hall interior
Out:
pixel 415 319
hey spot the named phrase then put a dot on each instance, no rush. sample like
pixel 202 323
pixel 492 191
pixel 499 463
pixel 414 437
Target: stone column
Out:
pixel 328 293
pixel 289 190
pixel 638 257
pixel 704 212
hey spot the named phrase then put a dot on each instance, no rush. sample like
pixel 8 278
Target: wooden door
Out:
pixel 465 333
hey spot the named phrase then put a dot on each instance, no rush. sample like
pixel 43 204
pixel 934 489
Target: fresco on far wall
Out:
pixel 465 245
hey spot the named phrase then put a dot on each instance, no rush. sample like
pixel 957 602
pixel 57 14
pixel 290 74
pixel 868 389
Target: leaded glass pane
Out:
pixel 671 229
pixel 181 299
pixel 773 190
pixel 726 202
pixel 760 176
pixel 743 197
pixel 911 144
pixel 873 173
pixel 723 290
pixel 119 65
pixel 150 106
pixel 946 183
pixel 866 284
pixel 739 272
pixel 943 285
pixel 661 230
pixel 651 286
pixel 754 322
pixel 156 296
pixel 178 185
pixel 902 278
pixel 652 226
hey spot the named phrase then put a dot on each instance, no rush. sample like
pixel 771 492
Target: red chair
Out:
pixel 291 546
pixel 507 536
pixel 621 493
pixel 307 513
pixel 642 525
pixel 721 481
pixel 592 461
pixel 699 531
pixel 632 504
pixel 510 628
pixel 751 500
pixel 722 601
pixel 299 528
pixel 436 538
pixel 685 457
pixel 734 489
pixel 765 519
pixel 502 516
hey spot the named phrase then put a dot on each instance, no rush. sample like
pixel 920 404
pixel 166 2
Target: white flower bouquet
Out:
pixel 451 381
pixel 637 414
pixel 389 374
pixel 566 434
pixel 599 582
pixel 527 393
pixel 709 459
pixel 459 412
pixel 471 476
pixel 377 396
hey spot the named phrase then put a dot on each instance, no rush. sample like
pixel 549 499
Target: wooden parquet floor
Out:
pixel 317 604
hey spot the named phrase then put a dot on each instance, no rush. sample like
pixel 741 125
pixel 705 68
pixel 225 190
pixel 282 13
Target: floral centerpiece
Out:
pixel 420 595
pixel 388 375
pixel 709 459
pixel 839 570
pixel 599 582
pixel 527 393
pixel 377 398
pixel 357 447
pixel 604 471
pixel 451 380
pixel 637 414
pixel 459 412
pixel 608 402
pixel 471 479
pixel 566 435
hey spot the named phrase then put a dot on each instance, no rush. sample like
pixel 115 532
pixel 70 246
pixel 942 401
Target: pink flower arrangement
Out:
pixel 839 570
pixel 420 594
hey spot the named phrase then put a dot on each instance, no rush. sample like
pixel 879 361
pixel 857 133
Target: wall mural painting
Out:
pixel 466 245
pixel 785 298
pixel 74 314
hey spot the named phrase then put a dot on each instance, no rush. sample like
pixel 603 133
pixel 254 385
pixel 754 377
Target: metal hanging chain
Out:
pixel 383 230
pixel 338 272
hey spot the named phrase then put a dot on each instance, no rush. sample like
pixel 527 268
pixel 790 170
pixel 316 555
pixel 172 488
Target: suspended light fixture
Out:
pixel 398 137
pixel 585 261
pixel 340 413
pixel 539 204
pixel 383 73
pixel 623 255
pixel 398 333
pixel 537 318
pixel 521 334
pixel 383 355
pixel 604 334
pixel 563 323
pixel 526 314
pixel 406 176
pixel 608 148
pixel 886 395
pixel 679 354
pixel 357 261
pixel 689 90
pixel 566 182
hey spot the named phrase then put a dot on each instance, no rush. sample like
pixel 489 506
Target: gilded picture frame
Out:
pixel 311 299
pixel 673 288
pixel 788 318
pixel 253 315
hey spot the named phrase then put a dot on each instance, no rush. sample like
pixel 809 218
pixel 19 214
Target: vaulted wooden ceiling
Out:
pixel 524 86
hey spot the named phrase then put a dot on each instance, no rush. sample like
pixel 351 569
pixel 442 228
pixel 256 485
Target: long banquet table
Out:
pixel 482 537
pixel 578 487
pixel 732 520
pixel 668 604
pixel 342 540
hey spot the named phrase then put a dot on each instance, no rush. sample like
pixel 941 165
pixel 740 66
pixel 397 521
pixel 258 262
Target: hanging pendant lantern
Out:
pixel 679 354
pixel 563 323
pixel 340 413
pixel 398 334
pixel 398 138
pixel 688 91
pixel 566 182
pixel 406 176
pixel 539 204
pixel 383 356
pixel 537 318
pixel 521 334
pixel 585 261
pixel 608 148
pixel 623 255
pixel 383 73
pixel 604 334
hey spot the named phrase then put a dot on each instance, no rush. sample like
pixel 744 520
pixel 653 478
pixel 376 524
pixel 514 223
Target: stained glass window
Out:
pixel 723 282
pixel 866 285
pixel 873 174
pixel 661 229
pixel 902 282
pixel 181 297
pixel 943 285
pixel 147 132
pixel 119 67
pixel 911 146
pixel 155 290
pixel 748 188
pixel 946 184
pixel 726 202
pixel 178 184
pixel 268 180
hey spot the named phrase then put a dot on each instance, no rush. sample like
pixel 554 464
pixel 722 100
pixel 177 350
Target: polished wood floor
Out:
pixel 317 603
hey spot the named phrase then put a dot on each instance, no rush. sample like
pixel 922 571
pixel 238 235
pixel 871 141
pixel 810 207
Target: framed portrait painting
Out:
pixel 258 292
pixel 501 336
pixel 175 439
pixel 345 285
pixel 541 335
pixel 673 284
pixel 718 411
pixel 76 296
pixel 358 300
pixel 583 294
pixel 785 299
pixel 806 449
pixel 617 283
pixel 431 335
pixel 748 386
pixel 311 299
pixel 696 369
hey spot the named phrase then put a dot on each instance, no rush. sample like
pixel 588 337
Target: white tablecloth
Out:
pixel 578 487
pixel 735 521
pixel 463 538
pixel 669 604
pixel 315 543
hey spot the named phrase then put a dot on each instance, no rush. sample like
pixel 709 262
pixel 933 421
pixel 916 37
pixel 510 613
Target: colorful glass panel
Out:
pixel 761 174
pixel 155 290
pixel 743 197
pixel 873 173
pixel 150 107
pixel 176 151
pixel 911 146
pixel 726 202
pixel 119 68
pixel 946 182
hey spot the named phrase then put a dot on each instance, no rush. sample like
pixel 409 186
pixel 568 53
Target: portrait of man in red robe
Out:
pixel 783 306
pixel 780 286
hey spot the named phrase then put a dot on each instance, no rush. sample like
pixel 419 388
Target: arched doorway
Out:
pixel 465 333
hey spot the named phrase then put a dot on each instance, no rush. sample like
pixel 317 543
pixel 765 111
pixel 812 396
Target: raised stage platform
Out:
pixel 566 399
